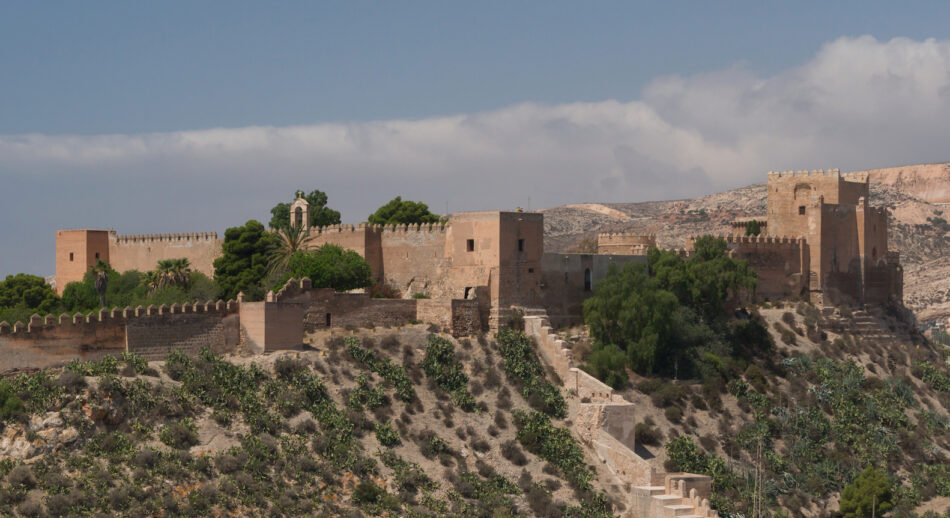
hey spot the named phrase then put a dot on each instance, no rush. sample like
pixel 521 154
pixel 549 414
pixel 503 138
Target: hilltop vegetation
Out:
pixel 393 423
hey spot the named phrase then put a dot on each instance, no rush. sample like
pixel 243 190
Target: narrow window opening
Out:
pixel 470 245
pixel 328 320
pixel 468 289
pixel 587 279
pixel 565 277
pixel 530 270
pixel 70 256
pixel 801 209
pixel 97 255
pixel 521 245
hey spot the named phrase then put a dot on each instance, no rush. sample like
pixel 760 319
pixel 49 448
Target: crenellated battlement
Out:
pixel 49 323
pixel 161 238
pixel 777 241
pixel 814 172
pixel 628 237
pixel 380 229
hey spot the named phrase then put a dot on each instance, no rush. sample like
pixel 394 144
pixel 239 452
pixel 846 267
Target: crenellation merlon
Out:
pixel 161 238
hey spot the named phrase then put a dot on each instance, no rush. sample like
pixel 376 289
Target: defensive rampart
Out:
pixel 282 319
pixel 606 421
pixel 621 243
pixel 142 252
pixel 151 331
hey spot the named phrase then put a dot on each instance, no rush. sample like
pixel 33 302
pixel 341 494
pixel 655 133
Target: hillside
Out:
pixel 358 424
pixel 913 195
pixel 837 391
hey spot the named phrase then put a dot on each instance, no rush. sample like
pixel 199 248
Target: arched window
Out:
pixel 587 279
pixel 298 217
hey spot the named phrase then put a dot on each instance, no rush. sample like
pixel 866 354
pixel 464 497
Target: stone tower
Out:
pixel 300 212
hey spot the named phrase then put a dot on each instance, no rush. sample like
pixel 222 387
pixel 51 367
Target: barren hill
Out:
pixel 914 196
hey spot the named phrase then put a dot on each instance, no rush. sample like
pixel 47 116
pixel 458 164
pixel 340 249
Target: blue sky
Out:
pixel 132 67
pixel 197 116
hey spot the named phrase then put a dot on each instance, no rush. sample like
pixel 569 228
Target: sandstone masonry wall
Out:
pixel 142 252
pixel 151 331
pixel 606 421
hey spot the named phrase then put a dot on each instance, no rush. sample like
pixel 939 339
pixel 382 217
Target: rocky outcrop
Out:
pixel 927 182
pixel 43 434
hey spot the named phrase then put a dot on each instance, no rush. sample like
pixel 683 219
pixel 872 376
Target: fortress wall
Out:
pixel 781 263
pixel 49 341
pixel 520 249
pixel 624 244
pixel 142 252
pixel 458 317
pixel 158 335
pixel 413 258
pixel 563 289
pixel 841 267
pixel 358 310
pixel 350 237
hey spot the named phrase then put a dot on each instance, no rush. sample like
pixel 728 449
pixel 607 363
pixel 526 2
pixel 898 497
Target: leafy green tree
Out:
pixel 244 260
pixel 330 266
pixel 22 295
pixel 398 211
pixel 873 489
pixel 753 228
pixel 320 214
pixel 663 316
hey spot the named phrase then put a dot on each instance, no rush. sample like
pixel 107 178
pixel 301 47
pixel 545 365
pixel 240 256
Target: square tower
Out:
pixel 76 251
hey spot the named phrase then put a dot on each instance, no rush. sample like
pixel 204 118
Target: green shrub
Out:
pixel 10 404
pixel 608 364
pixel 181 435
pixel 441 364
pixel 872 489
pixel 645 433
pixel 387 435
pixel 394 374
pixel 521 363
pixel 555 445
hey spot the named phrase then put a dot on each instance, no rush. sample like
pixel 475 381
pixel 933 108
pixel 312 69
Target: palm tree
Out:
pixel 173 272
pixel 150 281
pixel 101 271
pixel 293 238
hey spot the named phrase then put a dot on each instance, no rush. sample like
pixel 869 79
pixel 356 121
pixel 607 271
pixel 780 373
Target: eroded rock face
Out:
pixel 928 182
pixel 43 434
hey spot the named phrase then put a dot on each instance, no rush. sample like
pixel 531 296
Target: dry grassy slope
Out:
pixel 479 442
pixel 911 194
pixel 871 343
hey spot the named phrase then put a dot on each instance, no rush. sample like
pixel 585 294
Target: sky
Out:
pixel 165 117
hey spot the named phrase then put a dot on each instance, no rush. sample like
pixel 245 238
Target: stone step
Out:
pixel 677 510
pixel 652 490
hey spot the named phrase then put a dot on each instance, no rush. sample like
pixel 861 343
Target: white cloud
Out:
pixel 857 103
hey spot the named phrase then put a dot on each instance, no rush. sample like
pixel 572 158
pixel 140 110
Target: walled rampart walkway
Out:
pixel 606 421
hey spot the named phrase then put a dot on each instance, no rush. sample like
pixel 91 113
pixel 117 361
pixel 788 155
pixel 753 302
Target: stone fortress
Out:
pixel 821 241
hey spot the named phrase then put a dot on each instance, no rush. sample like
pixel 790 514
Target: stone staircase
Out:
pixel 605 422
pixel 681 495
pixel 867 326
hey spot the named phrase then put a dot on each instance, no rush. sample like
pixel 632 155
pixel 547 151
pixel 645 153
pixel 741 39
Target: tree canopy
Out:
pixel 22 295
pixel 330 266
pixel 320 214
pixel 873 489
pixel 659 317
pixel 399 211
pixel 753 228
pixel 245 258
